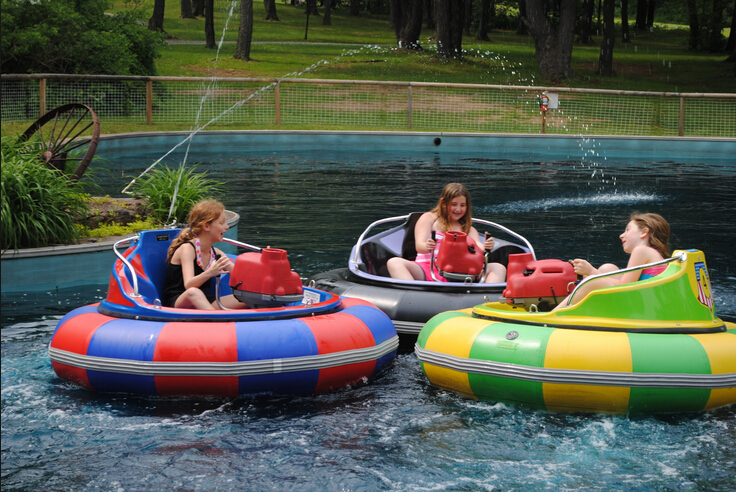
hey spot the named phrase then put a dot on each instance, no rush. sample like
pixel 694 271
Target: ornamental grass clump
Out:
pixel 160 185
pixel 40 206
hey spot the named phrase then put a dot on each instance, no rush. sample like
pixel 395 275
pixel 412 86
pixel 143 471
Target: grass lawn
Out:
pixel 364 48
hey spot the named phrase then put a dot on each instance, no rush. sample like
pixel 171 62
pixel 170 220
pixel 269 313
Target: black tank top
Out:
pixel 174 283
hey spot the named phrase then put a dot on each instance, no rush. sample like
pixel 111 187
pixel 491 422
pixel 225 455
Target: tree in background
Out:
pixel 625 38
pixel 450 18
pixel 406 18
pixel 198 8
pixel 605 61
pixel 75 37
pixel 186 10
pixel 553 37
pixel 486 7
pixel 327 16
pixel 245 31
pixel 586 23
pixel 209 24
pixel 156 22
pixel 706 23
pixel 270 6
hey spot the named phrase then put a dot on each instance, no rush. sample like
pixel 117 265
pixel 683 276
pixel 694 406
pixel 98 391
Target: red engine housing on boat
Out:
pixel 265 279
pixel 459 257
pixel 530 281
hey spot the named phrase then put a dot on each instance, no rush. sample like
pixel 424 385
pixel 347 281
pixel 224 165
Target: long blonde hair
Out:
pixel 659 231
pixel 201 214
pixel 450 191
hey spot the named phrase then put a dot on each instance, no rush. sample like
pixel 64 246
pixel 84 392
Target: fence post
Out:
pixel 149 102
pixel 42 97
pixel 682 116
pixel 277 101
pixel 408 115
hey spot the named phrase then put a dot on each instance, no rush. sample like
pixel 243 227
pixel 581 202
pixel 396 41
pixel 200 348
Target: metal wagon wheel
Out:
pixel 60 131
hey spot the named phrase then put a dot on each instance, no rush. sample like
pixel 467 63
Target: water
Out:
pixel 398 432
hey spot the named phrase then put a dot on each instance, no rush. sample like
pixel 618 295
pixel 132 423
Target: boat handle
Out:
pixel 378 222
pixel 509 232
pixel 126 262
pixel 681 256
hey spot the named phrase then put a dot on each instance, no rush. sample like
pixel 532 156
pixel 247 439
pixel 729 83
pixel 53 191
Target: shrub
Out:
pixel 160 185
pixel 39 205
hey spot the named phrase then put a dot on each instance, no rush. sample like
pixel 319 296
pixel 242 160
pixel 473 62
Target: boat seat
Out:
pixel 408 246
pixel 376 252
pixel 148 259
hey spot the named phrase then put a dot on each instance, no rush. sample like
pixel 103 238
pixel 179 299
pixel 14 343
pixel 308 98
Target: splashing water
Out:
pixel 579 201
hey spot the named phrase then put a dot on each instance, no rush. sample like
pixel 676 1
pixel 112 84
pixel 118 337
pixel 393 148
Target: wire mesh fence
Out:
pixel 244 103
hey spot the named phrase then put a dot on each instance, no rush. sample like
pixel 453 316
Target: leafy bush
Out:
pixel 74 36
pixel 39 206
pixel 159 187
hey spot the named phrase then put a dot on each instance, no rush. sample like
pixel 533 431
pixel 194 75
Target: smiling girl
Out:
pixel 193 260
pixel 646 239
pixel 452 213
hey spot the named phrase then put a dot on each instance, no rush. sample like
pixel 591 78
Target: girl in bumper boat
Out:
pixel 452 213
pixel 646 239
pixel 193 261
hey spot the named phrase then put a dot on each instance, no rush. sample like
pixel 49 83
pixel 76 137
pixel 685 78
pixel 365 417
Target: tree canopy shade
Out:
pixel 75 37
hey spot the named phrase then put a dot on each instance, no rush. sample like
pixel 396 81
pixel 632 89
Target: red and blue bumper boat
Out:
pixel 295 340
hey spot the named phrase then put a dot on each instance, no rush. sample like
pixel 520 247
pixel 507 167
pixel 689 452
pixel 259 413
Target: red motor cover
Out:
pixel 528 278
pixel 459 254
pixel 267 272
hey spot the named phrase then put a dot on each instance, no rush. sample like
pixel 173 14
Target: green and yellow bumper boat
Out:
pixel 651 346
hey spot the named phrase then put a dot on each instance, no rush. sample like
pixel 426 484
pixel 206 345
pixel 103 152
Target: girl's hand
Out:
pixel 582 267
pixel 222 265
pixel 431 243
pixel 489 243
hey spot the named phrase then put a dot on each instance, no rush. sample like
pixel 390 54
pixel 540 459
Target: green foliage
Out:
pixel 38 207
pixel 115 229
pixel 75 37
pixel 160 185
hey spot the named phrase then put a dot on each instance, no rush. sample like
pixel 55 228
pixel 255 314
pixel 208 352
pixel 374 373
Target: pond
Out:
pixel 397 432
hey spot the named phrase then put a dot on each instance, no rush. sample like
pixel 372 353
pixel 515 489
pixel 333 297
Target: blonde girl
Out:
pixel 193 261
pixel 452 213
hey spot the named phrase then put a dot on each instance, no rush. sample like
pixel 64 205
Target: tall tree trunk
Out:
pixel 625 38
pixel 406 17
pixel 715 38
pixel 450 16
pixel 586 23
pixel 641 15
pixel 209 24
pixel 327 17
pixel 355 8
pixel 553 46
pixel 429 9
pixel 156 22
pixel 650 13
pixel 731 45
pixel 245 31
pixel 270 6
pixel 521 29
pixel 468 16
pixel 485 15
pixel 198 7
pixel 186 10
pixel 605 61
pixel 692 15
pixel 312 8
